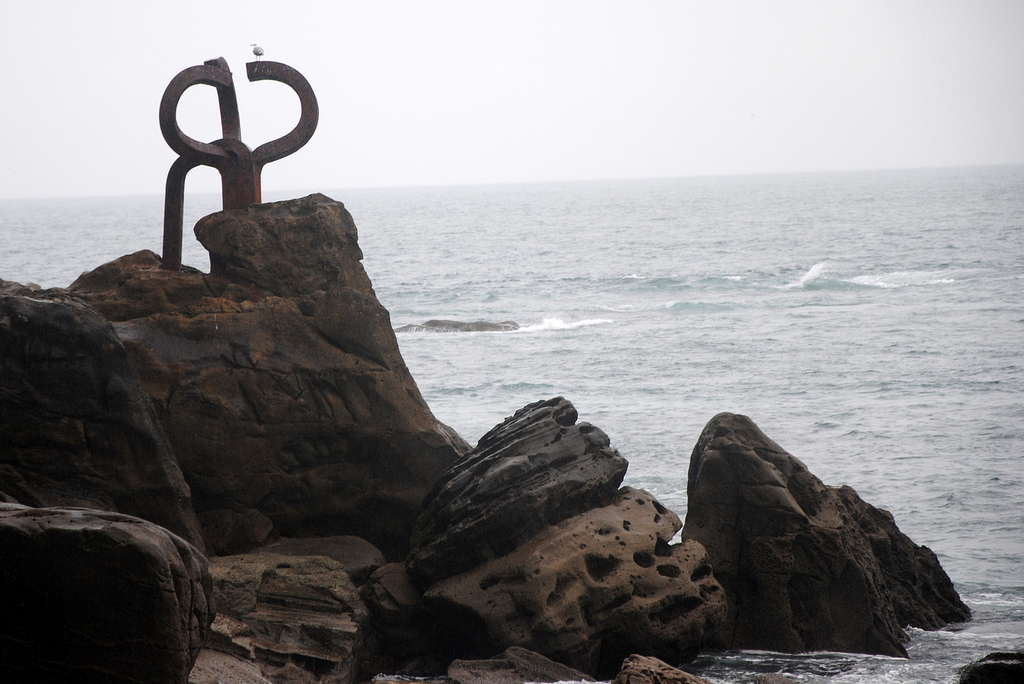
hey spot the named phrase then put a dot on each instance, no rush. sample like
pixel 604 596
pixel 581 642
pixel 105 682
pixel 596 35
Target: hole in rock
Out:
pixel 641 502
pixel 657 518
pixel 658 507
pixel 661 548
pixel 700 573
pixel 599 567
pixel 667 570
pixel 644 559
pixel 676 607
pixel 626 524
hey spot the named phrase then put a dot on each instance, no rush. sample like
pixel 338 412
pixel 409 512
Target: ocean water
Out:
pixel 871 323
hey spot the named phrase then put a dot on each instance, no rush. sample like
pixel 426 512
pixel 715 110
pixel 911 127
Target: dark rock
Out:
pixel 535 469
pixel 638 669
pixel 297 618
pixel 92 596
pixel 401 627
pixel 460 326
pixel 357 556
pixel 805 567
pixel 995 668
pixel 76 428
pixel 588 591
pixel 514 666
pixel 278 380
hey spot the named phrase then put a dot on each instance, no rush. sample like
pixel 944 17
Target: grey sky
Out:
pixel 418 93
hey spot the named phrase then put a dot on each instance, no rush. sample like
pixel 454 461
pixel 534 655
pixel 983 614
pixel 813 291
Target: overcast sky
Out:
pixel 426 93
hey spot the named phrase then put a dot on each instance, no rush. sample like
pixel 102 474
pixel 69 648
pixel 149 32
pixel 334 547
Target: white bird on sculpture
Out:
pixel 257 50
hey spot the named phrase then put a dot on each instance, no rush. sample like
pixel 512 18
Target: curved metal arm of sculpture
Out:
pixel 215 73
pixel 309 113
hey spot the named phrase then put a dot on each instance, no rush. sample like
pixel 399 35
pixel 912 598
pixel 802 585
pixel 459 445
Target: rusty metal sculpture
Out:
pixel 239 167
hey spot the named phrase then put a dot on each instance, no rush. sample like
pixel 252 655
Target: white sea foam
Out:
pixel 560 324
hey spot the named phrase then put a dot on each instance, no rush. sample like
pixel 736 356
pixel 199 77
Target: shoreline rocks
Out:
pixel 278 380
pixel 805 567
pixel 535 469
pixel 96 597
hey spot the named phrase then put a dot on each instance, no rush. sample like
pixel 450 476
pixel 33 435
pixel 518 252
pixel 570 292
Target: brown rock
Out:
pixel 535 469
pixel 76 428
pixel 513 666
pixel 637 669
pixel 805 567
pixel 278 380
pixel 588 591
pixel 91 596
pixel 302 616
pixel 357 556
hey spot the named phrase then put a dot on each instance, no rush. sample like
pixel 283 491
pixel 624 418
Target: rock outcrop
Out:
pixel 638 669
pixel 76 428
pixel 278 380
pixel 97 597
pixel 535 469
pixel 805 567
pixel 995 668
pixel 513 666
pixel 358 557
pixel 295 618
pixel 588 591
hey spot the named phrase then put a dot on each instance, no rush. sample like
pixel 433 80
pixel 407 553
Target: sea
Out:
pixel 870 322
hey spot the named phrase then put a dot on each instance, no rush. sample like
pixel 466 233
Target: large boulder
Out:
pixel 90 596
pixel 535 469
pixel 76 428
pixel 588 591
pixel 805 567
pixel 995 668
pixel 278 380
pixel 295 618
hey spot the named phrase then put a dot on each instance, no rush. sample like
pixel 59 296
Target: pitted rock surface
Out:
pixel 76 427
pixel 96 597
pixel 805 567
pixel 638 669
pixel 589 591
pixel 535 469
pixel 278 380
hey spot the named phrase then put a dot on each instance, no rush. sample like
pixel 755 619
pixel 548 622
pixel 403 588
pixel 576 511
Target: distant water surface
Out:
pixel 871 323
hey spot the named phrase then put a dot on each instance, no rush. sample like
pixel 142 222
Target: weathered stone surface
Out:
pixel 535 469
pixel 357 556
pixel 215 667
pixel 514 666
pixel 638 669
pixel 805 567
pixel 76 428
pixel 460 326
pixel 400 626
pixel 299 618
pixel 995 668
pixel 278 380
pixel 588 591
pixel 91 596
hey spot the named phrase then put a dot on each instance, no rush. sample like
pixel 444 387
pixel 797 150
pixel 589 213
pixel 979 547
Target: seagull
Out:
pixel 257 50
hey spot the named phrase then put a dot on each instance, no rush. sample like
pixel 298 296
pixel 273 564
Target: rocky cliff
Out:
pixel 278 380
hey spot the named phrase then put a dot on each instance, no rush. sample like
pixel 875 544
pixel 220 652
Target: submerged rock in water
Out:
pixel 513 666
pixel 805 567
pixel 588 591
pixel 637 669
pixel 459 326
pixel 535 469
pixel 995 668
pixel 278 380
pixel 76 427
pixel 97 597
